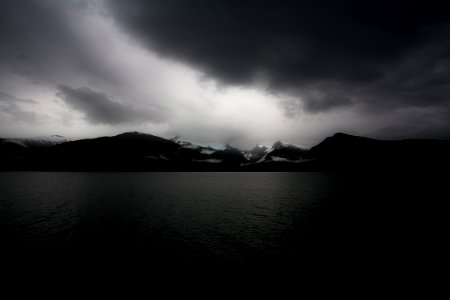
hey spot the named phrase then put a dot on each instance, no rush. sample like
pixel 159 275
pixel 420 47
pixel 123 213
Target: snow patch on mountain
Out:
pixel 209 160
pixel 282 159
pixel 40 141
pixel 156 157
pixel 195 145
pixel 281 145
pixel 207 151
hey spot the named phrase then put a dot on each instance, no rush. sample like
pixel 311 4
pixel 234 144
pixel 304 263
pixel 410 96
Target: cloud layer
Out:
pixel 11 106
pixel 382 53
pixel 98 108
pixel 234 71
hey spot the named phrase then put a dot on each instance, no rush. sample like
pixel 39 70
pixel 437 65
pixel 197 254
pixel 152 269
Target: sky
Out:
pixel 242 72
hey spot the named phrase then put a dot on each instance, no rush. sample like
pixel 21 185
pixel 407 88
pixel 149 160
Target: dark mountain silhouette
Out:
pixel 347 152
pixel 127 151
pixel 136 151
pixel 10 150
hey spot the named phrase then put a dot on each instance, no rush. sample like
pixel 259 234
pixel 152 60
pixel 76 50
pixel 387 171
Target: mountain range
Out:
pixel 134 151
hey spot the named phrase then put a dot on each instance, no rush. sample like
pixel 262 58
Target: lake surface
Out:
pixel 185 216
pixel 229 218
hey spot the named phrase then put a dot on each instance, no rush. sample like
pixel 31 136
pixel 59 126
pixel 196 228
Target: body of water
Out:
pixel 218 216
pixel 230 218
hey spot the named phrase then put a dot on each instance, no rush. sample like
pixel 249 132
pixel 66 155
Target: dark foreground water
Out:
pixel 387 222
pixel 181 216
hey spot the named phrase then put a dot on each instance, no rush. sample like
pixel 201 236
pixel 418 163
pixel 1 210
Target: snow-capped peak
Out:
pixel 177 140
pixel 183 143
pixel 260 148
pixel 40 141
pixel 191 144
pixel 52 138
pixel 281 145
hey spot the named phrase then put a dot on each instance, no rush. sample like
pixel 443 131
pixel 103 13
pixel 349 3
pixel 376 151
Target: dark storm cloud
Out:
pixel 325 102
pixel 98 107
pixel 376 53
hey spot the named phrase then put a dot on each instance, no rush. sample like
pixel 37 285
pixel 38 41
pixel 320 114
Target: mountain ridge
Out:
pixel 137 151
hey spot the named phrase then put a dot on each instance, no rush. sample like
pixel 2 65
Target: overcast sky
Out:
pixel 242 72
